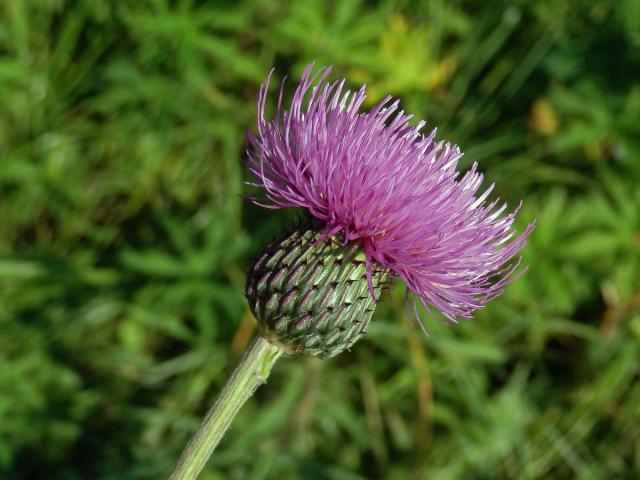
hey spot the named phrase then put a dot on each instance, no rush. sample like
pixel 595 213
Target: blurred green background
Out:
pixel 124 241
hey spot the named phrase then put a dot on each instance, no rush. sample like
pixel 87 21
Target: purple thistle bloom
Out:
pixel 379 181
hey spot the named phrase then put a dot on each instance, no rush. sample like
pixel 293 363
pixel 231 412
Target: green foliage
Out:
pixel 124 239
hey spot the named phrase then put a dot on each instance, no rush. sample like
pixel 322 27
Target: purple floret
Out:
pixel 377 180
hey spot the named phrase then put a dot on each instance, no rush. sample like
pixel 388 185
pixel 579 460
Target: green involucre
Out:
pixel 312 297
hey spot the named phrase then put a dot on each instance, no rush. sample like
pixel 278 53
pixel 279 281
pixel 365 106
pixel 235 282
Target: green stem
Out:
pixel 253 371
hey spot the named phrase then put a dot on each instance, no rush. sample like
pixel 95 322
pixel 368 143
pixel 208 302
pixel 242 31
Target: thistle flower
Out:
pixel 384 201
pixel 373 180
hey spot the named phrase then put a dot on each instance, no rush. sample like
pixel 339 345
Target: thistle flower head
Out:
pixel 373 179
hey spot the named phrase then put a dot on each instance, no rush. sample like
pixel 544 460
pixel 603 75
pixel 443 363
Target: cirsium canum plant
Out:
pixel 385 201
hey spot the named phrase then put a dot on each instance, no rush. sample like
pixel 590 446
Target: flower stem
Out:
pixel 253 370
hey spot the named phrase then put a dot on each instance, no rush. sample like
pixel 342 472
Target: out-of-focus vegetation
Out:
pixel 124 240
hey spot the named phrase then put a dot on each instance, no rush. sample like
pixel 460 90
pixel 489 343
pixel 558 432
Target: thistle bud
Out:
pixel 311 296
